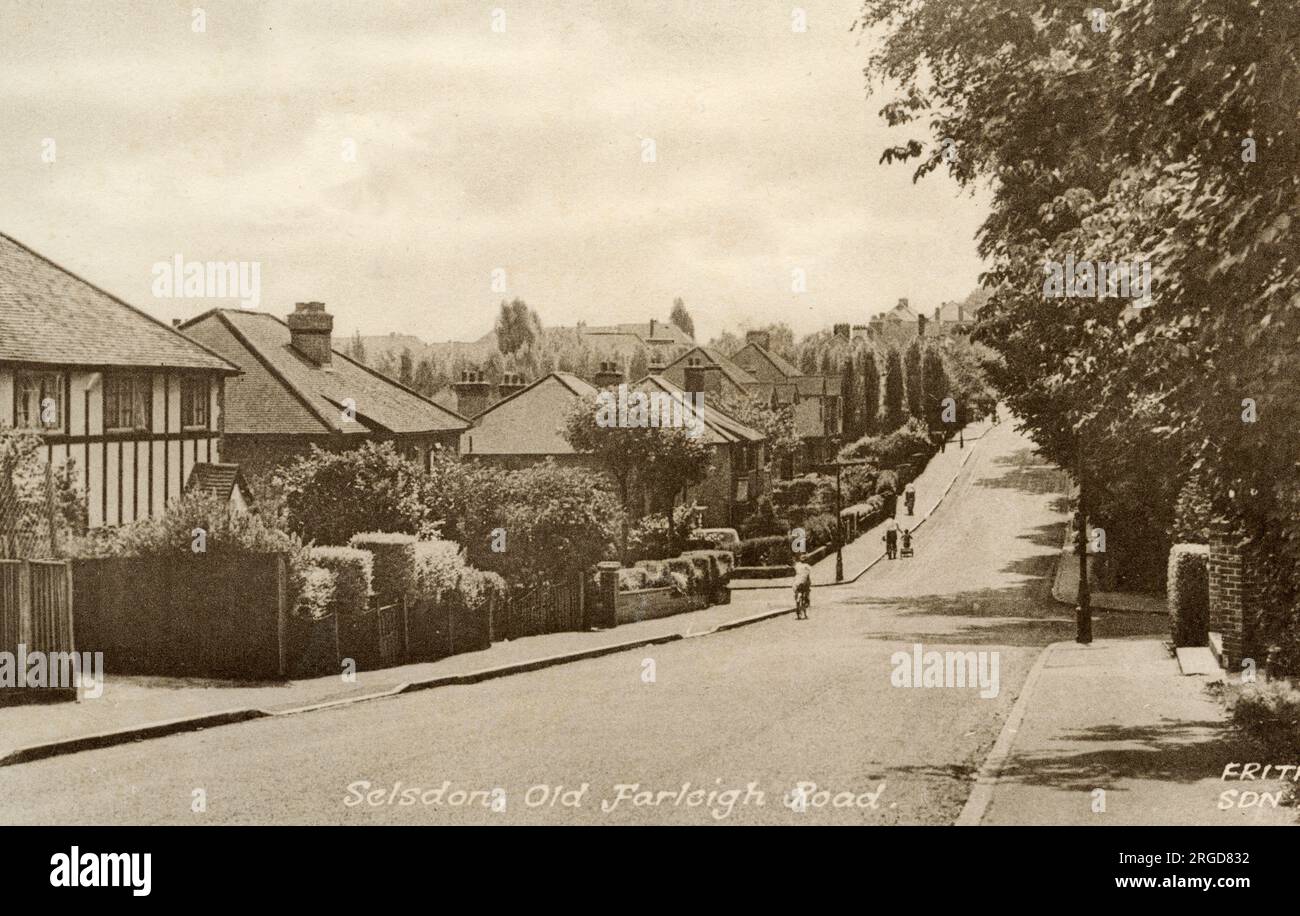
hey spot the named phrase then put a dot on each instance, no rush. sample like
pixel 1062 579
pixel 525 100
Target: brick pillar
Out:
pixel 600 606
pixel 1234 596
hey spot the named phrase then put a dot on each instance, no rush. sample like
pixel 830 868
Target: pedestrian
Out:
pixel 907 542
pixel 891 539
pixel 802 587
pixel 909 497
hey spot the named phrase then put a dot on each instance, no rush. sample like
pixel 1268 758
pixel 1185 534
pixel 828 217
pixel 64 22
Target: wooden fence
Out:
pixel 205 615
pixel 544 609
pixel 36 612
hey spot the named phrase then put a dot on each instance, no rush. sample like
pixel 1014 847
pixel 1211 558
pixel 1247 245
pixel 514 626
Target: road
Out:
pixel 740 718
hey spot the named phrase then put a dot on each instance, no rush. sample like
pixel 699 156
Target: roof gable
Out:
pixel 282 392
pixel 529 421
pixel 50 315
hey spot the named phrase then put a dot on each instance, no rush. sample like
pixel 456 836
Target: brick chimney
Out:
pixel 707 379
pixel 655 364
pixel 609 375
pixel 842 331
pixel 762 338
pixel 310 331
pixel 511 383
pixel 473 393
pixel 902 303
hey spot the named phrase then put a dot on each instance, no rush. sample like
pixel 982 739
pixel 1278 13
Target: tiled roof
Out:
pixel 217 479
pixel 529 422
pixel 721 427
pixel 779 363
pixel 281 392
pixel 736 374
pixel 48 315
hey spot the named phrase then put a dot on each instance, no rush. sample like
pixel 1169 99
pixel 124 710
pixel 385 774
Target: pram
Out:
pixel 906 548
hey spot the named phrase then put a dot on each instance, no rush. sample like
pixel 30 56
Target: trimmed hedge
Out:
pixel 773 550
pixel 353 577
pixel 394 567
pixel 1189 593
pixel 317 594
pixel 1269 712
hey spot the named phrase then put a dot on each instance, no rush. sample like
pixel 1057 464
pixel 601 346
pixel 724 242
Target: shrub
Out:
pixel 478 587
pixel 819 531
pixel 718 538
pixel 893 448
pixel 797 492
pixel 631 579
pixel 648 538
pixel 558 521
pixel 887 484
pixel 763 521
pixel 682 566
pixel 859 482
pixel 330 496
pixel 1189 593
pixel 438 566
pixel 1192 515
pixel 317 595
pixel 353 577
pixel 773 550
pixel 1269 712
pixel 394 564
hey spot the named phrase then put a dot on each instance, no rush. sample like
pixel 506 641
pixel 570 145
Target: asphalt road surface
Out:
pixel 722 728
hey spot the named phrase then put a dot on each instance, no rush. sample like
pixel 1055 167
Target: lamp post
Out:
pixel 839 465
pixel 1083 612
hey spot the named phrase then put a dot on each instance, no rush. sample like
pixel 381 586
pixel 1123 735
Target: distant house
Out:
pixel 296 391
pixel 134 404
pixel 706 369
pixel 524 428
pixel 818 416
pixel 739 475
pixel 662 340
pixel 953 317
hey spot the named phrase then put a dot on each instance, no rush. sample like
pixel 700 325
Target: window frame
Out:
pixel 188 384
pixel 141 394
pixel 22 421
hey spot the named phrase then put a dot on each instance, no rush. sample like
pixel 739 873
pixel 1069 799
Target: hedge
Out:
pixel 773 550
pixel 1269 712
pixel 353 577
pixel 1189 593
pixel 394 566
pixel 319 585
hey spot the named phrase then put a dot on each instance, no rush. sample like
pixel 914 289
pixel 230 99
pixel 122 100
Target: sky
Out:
pixel 398 161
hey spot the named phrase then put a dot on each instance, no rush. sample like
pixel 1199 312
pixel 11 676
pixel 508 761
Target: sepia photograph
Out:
pixel 687 413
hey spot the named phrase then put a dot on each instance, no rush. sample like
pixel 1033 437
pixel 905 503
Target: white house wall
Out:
pixel 125 476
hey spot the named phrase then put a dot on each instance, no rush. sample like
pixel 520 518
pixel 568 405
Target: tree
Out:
pixel 406 367
pixel 1184 171
pixel 357 349
pixel 774 421
pixel 682 318
pixel 425 379
pixel 913 381
pixel 653 463
pixel 894 413
pixel 936 389
pixel 517 327
pixel 330 496
pixel 849 400
pixel 870 409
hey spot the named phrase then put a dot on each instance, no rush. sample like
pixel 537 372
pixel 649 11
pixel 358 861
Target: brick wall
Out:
pixel 1234 597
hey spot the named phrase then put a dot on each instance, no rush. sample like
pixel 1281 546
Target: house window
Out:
pixel 128 400
pixel 194 403
pixel 39 397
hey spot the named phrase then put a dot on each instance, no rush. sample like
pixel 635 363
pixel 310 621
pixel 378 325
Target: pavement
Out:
pixel 672 729
pixel 868 549
pixel 1114 733
pixel 1065 589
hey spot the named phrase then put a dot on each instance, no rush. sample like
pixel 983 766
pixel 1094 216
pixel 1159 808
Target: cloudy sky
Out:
pixel 475 149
